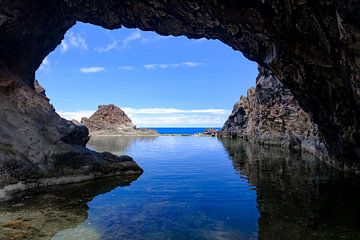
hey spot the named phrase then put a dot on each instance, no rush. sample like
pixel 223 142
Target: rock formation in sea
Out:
pixel 312 47
pixel 39 149
pixel 271 115
pixel 111 120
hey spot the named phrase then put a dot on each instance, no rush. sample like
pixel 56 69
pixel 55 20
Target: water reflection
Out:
pixel 43 215
pixel 117 145
pixel 298 197
pixel 196 188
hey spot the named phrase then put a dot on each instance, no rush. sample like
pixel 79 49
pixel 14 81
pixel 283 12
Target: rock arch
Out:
pixel 312 47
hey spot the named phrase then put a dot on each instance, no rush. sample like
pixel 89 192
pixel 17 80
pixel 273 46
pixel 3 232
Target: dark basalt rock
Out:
pixel 312 47
pixel 271 115
pixel 39 149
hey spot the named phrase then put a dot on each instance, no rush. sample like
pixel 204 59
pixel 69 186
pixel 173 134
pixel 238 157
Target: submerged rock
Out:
pixel 38 148
pixel 56 212
pixel 270 115
pixel 111 120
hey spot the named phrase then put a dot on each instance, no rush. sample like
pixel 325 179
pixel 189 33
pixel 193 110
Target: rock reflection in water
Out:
pixel 298 198
pixel 43 215
pixel 117 145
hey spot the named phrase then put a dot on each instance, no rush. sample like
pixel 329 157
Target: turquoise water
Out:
pixel 181 130
pixel 196 188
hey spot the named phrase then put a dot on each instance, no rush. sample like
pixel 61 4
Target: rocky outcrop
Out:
pixel 40 149
pixel 312 47
pixel 210 132
pixel 111 120
pixel 270 115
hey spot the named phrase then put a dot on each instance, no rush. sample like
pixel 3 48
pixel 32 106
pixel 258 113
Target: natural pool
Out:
pixel 195 188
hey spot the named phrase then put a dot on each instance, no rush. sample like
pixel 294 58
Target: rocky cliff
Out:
pixel 271 115
pixel 39 149
pixel 111 120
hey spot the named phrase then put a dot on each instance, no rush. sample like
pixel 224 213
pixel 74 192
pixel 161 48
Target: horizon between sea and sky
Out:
pixel 159 81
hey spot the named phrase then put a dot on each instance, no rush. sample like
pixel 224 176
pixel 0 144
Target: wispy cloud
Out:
pixel 196 41
pixel 45 65
pixel 132 37
pixel 73 40
pixel 172 65
pixel 171 110
pixel 126 68
pixel 127 41
pixel 92 69
pixel 162 117
pixel 76 115
pixel 118 44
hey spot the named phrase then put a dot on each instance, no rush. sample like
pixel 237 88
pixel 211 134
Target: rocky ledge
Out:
pixel 111 120
pixel 40 149
pixel 271 115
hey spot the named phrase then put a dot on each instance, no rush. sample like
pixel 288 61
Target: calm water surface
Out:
pixel 186 131
pixel 195 188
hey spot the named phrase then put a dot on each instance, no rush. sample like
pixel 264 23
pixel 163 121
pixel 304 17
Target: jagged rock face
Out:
pixel 312 47
pixel 107 116
pixel 271 115
pixel 111 120
pixel 38 148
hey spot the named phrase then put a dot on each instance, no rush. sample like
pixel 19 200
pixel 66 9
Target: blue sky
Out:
pixel 157 80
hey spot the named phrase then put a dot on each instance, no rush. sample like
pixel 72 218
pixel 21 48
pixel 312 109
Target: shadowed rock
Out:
pixel 40 149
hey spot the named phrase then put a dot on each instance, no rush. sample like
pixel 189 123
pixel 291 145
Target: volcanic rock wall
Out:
pixel 270 115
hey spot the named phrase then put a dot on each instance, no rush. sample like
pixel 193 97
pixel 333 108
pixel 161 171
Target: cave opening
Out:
pixel 160 81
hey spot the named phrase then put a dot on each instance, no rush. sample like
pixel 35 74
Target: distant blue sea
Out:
pixel 181 130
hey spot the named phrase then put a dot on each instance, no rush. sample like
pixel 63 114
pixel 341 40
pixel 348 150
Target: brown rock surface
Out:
pixel 312 47
pixel 111 120
pixel 271 115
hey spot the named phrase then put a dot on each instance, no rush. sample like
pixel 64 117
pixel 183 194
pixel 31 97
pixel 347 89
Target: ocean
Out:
pixel 167 130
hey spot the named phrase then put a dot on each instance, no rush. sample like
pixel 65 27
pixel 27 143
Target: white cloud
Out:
pixel 45 65
pixel 150 66
pixel 172 65
pixel 107 48
pixel 127 68
pixel 126 42
pixel 92 69
pixel 200 40
pixel 77 115
pixel 73 40
pixel 64 46
pixel 192 64
pixel 117 44
pixel 132 37
pixel 171 110
pixel 165 117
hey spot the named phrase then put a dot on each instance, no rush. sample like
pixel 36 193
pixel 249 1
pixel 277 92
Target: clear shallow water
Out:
pixel 181 130
pixel 196 188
